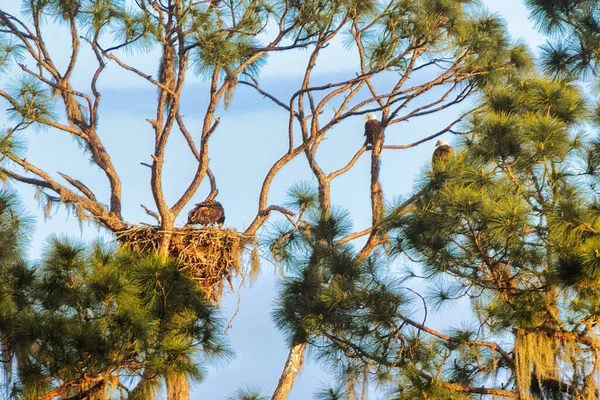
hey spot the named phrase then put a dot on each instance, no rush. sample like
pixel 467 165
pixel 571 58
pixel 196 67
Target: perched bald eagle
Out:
pixel 442 151
pixel 209 212
pixel 372 129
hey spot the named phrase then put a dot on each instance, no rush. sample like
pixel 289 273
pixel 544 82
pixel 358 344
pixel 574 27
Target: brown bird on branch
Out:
pixel 442 151
pixel 209 212
pixel 372 129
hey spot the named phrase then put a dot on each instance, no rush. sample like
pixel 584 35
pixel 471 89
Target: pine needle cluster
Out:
pixel 502 224
pixel 95 322
pixel 508 223
pixel 573 52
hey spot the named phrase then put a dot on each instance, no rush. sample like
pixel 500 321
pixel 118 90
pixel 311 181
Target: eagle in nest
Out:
pixel 209 212
pixel 372 129
pixel 442 151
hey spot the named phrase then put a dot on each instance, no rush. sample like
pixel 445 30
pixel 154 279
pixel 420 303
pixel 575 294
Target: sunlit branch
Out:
pixel 66 195
pixel 350 164
pixel 137 72
pixel 254 84
pixel 151 213
pixel 430 137
pixel 353 236
pixel 80 186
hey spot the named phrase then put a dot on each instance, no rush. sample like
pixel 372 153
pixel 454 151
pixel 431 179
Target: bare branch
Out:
pixel 275 100
pixel 479 390
pixel 278 208
pixel 350 164
pixel 213 184
pixel 80 186
pixel 187 136
pixel 151 213
pixel 110 220
pixel 353 236
pixel 430 137
pixel 136 71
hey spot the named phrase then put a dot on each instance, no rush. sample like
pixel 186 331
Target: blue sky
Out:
pixel 251 126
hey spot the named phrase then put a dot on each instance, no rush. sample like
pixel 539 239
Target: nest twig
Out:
pixel 209 255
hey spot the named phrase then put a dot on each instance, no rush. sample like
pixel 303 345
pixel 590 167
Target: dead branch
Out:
pixel 80 186
pixel 353 236
pixel 254 84
pixel 350 164
pixel 479 390
pixel 151 213
pixel 277 208
pixel 430 137
pixel 213 184
pixel 108 219
pixel 187 136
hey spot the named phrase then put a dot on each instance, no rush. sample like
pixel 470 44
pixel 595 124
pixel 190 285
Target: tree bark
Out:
pixel 292 366
pixel 376 190
pixel 177 384
pixel 177 387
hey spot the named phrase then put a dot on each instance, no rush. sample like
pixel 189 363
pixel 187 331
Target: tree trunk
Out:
pixel 177 387
pixel 376 191
pixel 290 371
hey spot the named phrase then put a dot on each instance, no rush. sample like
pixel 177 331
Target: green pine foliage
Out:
pixel 509 223
pixel 247 393
pixel 100 323
pixel 573 52
pixel 227 39
pixel 501 224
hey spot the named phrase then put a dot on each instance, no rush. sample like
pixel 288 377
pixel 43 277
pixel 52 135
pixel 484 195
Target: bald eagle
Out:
pixel 442 151
pixel 372 129
pixel 209 212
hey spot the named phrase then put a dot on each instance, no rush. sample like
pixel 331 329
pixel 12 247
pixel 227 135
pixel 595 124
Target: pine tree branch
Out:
pixel 373 241
pixel 151 213
pixel 282 210
pixel 477 390
pixel 353 236
pixel 80 186
pixel 56 86
pixel 74 50
pixel 40 55
pixel 24 179
pixel 74 115
pixel 493 346
pixel 430 137
pixel 86 394
pixel 43 121
pixel 213 184
pixel 350 164
pixel 112 222
pixel 187 136
pixel 98 382
pixel 136 71
pixel 263 213
pixel 255 86
pixel 356 34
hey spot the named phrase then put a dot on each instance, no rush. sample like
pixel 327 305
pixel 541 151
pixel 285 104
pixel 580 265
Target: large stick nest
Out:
pixel 209 255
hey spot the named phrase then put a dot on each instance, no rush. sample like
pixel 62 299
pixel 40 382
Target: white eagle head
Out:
pixel 441 142
pixel 371 116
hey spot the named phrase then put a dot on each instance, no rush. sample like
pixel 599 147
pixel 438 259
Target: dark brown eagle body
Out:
pixel 372 131
pixel 441 153
pixel 209 212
